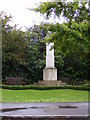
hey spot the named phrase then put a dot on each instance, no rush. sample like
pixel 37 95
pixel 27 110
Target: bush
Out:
pixel 33 87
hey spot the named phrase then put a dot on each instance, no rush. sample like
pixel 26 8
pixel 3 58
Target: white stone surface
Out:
pixel 50 74
pixel 49 61
pixel 49 55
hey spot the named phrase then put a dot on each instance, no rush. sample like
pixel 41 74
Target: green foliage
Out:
pixel 13 47
pixel 34 87
pixel 23 52
pixel 74 33
pixel 69 10
pixel 70 38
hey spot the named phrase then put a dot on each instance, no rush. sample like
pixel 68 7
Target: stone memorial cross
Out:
pixel 49 55
pixel 49 72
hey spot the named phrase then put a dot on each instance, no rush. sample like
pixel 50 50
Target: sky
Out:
pixel 22 16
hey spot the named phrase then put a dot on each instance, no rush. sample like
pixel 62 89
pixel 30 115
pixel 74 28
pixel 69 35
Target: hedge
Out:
pixel 25 87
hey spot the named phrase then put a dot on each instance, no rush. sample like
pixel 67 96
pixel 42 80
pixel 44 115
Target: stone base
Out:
pixel 49 74
pixel 49 83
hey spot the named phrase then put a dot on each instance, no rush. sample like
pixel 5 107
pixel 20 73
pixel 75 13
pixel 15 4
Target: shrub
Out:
pixel 33 87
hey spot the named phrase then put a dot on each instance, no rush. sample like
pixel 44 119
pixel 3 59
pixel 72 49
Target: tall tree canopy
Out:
pixel 22 52
pixel 71 37
pixel 74 33
pixel 72 11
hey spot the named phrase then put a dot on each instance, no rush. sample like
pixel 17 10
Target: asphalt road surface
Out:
pixel 45 109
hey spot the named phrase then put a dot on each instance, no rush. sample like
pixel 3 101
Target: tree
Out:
pixel 11 39
pixel 23 53
pixel 13 48
pixel 70 37
pixel 36 51
pixel 71 11
pixel 72 34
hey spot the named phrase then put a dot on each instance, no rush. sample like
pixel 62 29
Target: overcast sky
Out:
pixel 21 15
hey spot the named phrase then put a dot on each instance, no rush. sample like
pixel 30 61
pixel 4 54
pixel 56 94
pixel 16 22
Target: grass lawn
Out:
pixel 62 95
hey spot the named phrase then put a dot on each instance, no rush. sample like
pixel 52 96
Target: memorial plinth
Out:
pixel 49 72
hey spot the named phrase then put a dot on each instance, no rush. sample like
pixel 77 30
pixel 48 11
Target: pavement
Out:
pixel 45 111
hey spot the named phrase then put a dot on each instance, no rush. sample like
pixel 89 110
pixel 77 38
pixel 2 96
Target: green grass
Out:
pixel 62 95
